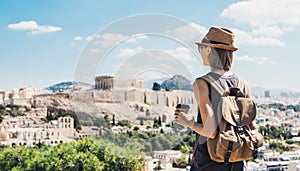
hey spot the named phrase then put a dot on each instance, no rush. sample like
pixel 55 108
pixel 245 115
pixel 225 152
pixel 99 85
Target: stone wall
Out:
pixel 125 104
pixel 167 98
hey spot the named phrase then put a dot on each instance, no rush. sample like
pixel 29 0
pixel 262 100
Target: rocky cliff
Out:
pixel 123 104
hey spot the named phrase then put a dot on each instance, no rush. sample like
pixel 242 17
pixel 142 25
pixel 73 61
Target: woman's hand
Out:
pixel 180 118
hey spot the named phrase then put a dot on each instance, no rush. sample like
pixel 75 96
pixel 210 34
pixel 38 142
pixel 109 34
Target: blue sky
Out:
pixel 43 41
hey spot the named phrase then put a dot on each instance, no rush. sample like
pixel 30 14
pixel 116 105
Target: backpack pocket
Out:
pixel 256 140
pixel 230 136
pixel 225 142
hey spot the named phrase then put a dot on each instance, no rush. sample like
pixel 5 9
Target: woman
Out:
pixel 216 49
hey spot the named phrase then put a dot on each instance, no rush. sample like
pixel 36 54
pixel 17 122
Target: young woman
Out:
pixel 216 49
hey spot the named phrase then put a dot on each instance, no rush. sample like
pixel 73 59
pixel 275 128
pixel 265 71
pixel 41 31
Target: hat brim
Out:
pixel 220 46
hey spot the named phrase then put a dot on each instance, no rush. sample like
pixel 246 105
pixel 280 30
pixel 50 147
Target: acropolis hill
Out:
pixel 125 99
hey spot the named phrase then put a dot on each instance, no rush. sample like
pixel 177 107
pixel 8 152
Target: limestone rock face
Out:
pixel 57 100
pixel 124 104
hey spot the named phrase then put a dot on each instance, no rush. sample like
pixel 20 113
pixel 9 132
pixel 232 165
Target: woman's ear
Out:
pixel 208 49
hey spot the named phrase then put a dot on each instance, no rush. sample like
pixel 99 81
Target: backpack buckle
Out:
pixel 255 151
pixel 228 152
pixel 240 129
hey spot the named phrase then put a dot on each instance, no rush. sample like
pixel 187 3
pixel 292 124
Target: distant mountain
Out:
pixel 149 84
pixel 177 82
pixel 68 86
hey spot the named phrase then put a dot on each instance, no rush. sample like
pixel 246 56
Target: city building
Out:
pixel 27 131
pixel 19 96
pixel 267 93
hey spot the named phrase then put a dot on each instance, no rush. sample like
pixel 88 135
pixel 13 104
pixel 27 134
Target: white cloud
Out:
pixel 45 29
pixel 127 52
pixel 188 33
pixel 269 20
pixel 78 38
pixel 103 41
pixel 23 25
pixel 33 27
pixel 265 12
pixel 258 60
pixel 271 31
pixel 181 53
pixel 137 37
pixel 108 39
pixel 200 28
pixel 89 38
pixel 243 37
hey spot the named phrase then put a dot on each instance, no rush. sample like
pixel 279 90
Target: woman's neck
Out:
pixel 219 71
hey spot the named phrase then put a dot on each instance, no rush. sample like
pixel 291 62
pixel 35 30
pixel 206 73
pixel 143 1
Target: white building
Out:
pixel 26 132
pixel 19 96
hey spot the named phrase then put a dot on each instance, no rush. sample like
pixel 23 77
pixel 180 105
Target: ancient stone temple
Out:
pixel 104 82
pixel 108 82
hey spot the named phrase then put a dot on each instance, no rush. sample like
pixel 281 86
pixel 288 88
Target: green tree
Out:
pixel 14 113
pixel 147 148
pixel 263 130
pixel 156 123
pixel 1 119
pixel 113 120
pixel 124 123
pixel 185 149
pixel 159 121
pixel 17 157
pixel 77 124
pixel 156 145
pixel 85 154
pixel 297 108
pixel 182 162
pixel 165 143
pixel 156 86
pixel 161 131
pixel 136 128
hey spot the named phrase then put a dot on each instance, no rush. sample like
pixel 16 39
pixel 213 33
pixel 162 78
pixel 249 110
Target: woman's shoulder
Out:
pixel 199 84
pixel 216 76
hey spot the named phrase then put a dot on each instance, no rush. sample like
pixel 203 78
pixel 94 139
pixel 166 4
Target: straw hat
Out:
pixel 219 38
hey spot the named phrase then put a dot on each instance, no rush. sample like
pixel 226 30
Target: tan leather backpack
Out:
pixel 238 138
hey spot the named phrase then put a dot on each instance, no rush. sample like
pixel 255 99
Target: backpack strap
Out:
pixel 241 85
pixel 220 90
pixel 214 84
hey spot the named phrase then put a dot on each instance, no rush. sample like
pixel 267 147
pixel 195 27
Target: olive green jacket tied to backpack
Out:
pixel 238 138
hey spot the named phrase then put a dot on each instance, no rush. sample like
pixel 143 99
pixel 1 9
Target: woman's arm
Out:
pixel 208 127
